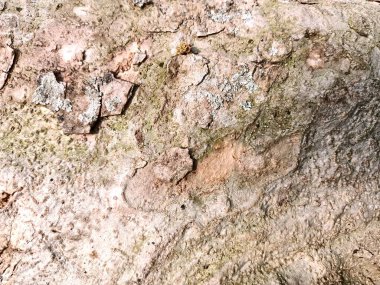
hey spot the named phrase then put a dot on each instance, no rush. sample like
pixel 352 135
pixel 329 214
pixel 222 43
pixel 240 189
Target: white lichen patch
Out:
pixel 215 101
pixel 240 80
pixel 220 16
pixel 112 104
pixel 247 105
pixel 72 53
pixel 51 93
pixel 92 112
pixel 81 11
pixel 6 63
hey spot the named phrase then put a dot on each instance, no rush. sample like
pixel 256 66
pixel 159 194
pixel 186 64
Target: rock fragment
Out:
pixel 115 95
pixel 94 98
pixel 141 3
pixel 125 63
pixel 139 58
pixel 98 97
pixel 51 93
pixel 86 110
pixel 7 56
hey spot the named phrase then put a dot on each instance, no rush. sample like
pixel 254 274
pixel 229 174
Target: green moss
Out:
pixel 116 123
pixel 39 139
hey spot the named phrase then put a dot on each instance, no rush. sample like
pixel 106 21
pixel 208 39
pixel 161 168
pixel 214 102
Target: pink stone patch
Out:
pixel 115 96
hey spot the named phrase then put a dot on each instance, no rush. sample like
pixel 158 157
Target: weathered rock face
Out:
pixel 51 93
pixel 7 58
pixel 189 142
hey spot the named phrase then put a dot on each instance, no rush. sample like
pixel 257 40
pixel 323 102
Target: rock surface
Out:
pixel 250 157
pixel 6 62
pixel 51 93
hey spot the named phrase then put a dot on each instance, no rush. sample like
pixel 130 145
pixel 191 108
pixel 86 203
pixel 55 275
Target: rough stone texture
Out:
pixel 115 95
pixel 141 3
pixel 253 158
pixel 6 61
pixel 86 108
pixel 51 93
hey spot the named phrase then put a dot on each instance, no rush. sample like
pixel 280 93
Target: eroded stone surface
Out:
pixel 51 93
pixel 115 95
pixel 173 165
pixel 6 62
pixel 86 110
pixel 99 97
pixel 156 181
pixel 253 159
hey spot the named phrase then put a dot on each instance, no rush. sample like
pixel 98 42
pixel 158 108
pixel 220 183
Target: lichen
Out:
pixel 220 15
pixel 94 96
pixel 240 80
pixel 246 105
pixel 51 93
pixel 112 104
